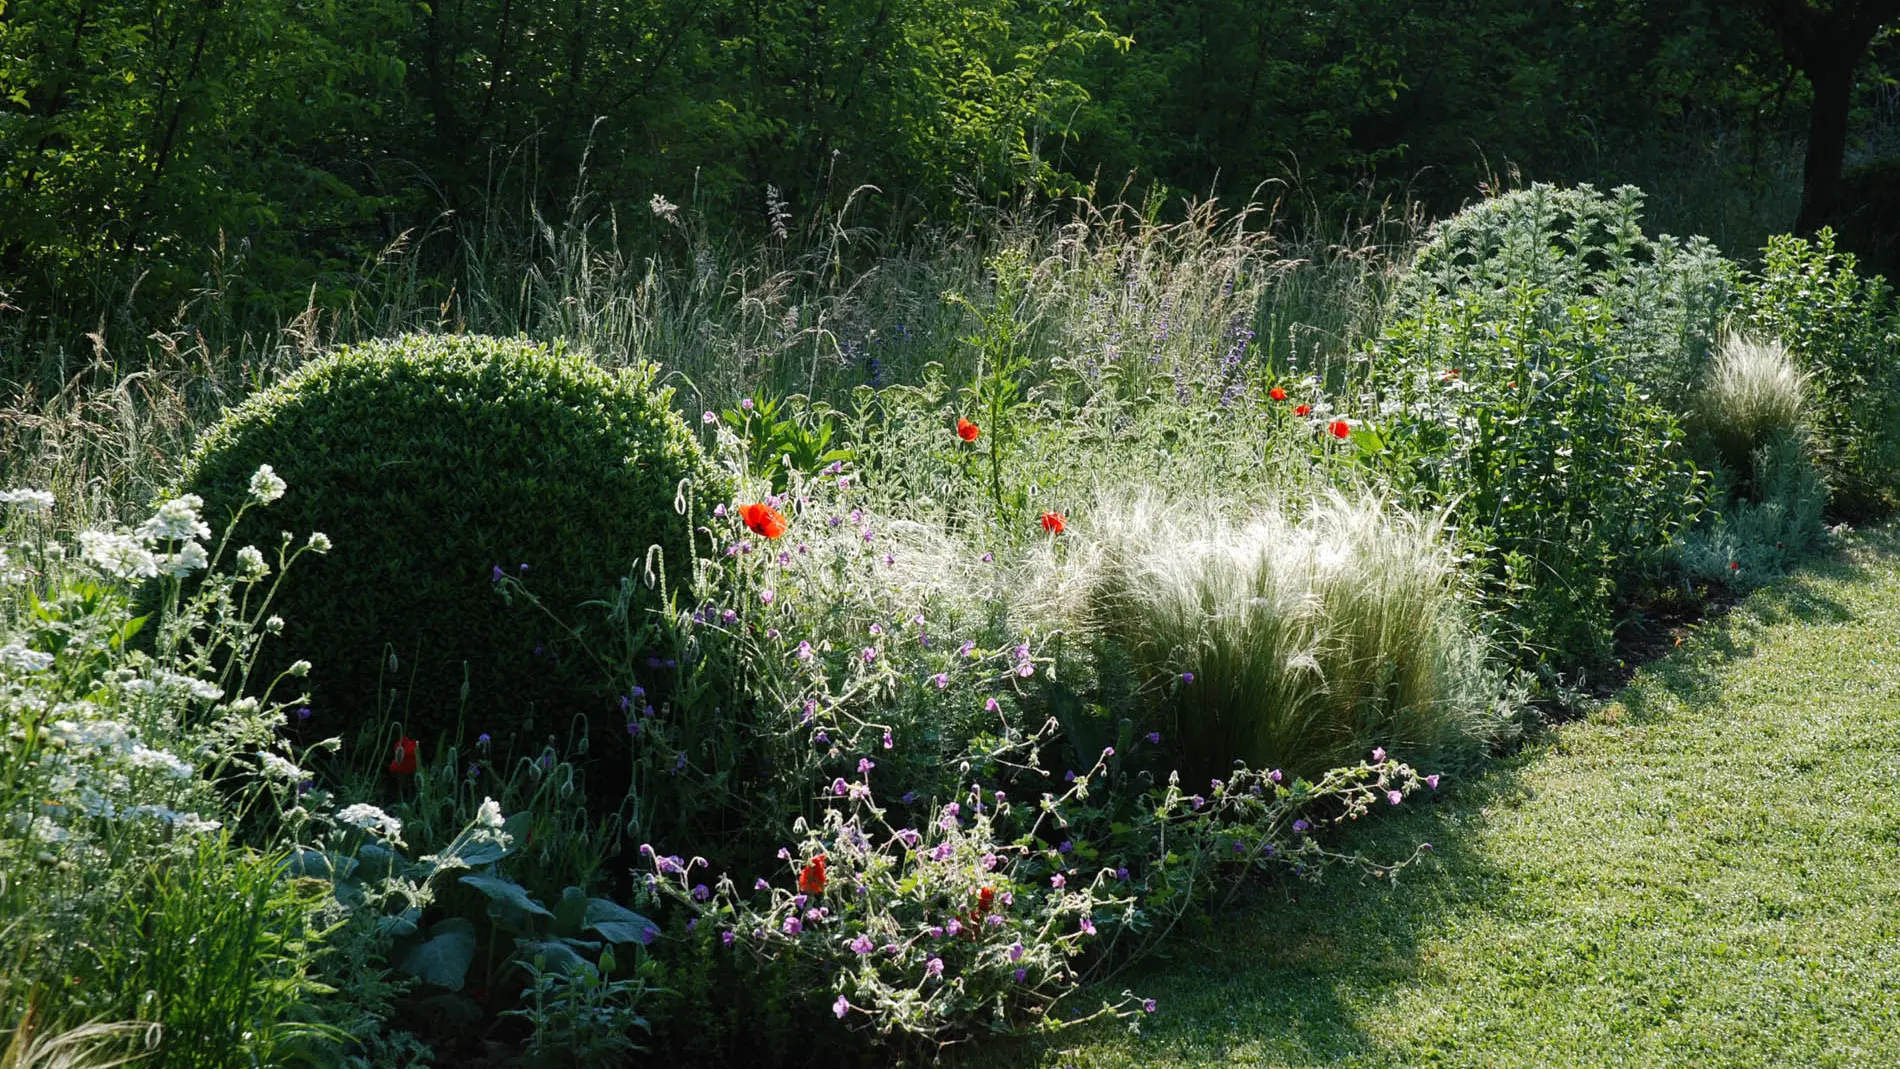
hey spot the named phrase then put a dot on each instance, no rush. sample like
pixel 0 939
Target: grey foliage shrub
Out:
pixel 1665 297
pixel 432 461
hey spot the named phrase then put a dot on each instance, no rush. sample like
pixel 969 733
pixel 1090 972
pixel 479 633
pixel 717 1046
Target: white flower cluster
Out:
pixel 101 740
pixel 370 819
pixel 276 767
pixel 266 486
pixel 176 521
pixel 251 566
pixel 27 500
pixel 185 822
pixel 18 658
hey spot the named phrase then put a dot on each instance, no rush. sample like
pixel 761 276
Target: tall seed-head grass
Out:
pixel 1752 391
pixel 1291 641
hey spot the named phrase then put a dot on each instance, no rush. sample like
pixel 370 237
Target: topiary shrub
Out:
pixel 431 462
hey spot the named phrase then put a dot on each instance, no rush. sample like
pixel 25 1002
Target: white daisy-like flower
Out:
pixel 176 521
pixel 190 558
pixel 277 767
pixel 250 564
pixel 370 819
pixel 117 555
pixel 266 487
pixel 28 500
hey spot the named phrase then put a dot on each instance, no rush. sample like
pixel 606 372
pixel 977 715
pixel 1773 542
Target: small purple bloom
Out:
pixel 888 743
pixel 1378 755
pixel 1148 1005
pixel 1154 738
pixel 870 654
pixel 1187 677
pixel 1394 797
pixel 838 786
pixel 861 945
pixel 1088 925
pixel 1065 846
pixel 841 1007
pixel 708 417
pixel 1432 781
pixel 1058 881
pixel 701 892
pixel 760 884
pixel 1121 872
pixel 793 925
pixel 865 765
pixel 934 967
pixel 726 938
pixel 767 596
pixel 1016 951
pixel 941 679
pixel 496 575
pixel 1021 975
pixel 990 706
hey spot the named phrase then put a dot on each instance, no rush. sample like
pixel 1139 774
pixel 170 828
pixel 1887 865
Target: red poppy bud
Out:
pixel 967 430
pixel 1301 410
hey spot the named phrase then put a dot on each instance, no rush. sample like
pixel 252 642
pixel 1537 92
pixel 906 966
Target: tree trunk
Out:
pixel 1833 83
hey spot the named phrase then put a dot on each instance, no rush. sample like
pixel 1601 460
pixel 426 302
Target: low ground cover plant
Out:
pixel 892 695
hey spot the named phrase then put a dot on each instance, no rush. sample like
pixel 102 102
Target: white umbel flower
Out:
pixel 320 541
pixel 266 487
pixel 370 819
pixel 276 767
pixel 176 521
pixel 190 558
pixel 17 657
pixel 489 815
pixel 27 500
pixel 117 555
pixel 250 564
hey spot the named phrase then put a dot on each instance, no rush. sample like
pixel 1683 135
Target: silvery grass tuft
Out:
pixel 1751 392
pixel 1295 641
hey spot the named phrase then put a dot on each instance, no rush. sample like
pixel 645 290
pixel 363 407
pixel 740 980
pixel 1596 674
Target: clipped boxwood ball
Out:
pixel 430 461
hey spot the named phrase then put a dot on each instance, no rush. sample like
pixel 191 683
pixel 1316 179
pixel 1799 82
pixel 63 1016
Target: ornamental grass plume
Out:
pixel 1752 392
pixel 1309 638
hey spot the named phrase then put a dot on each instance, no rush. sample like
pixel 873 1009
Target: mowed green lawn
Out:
pixel 1705 873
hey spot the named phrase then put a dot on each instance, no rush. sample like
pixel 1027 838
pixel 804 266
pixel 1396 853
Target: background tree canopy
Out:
pixel 163 140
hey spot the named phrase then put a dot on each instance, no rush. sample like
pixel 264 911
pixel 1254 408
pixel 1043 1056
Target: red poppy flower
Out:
pixel 763 519
pixel 985 900
pixel 1301 410
pixel 1277 394
pixel 405 762
pixel 1053 522
pixel 1338 428
pixel 967 430
pixel 811 879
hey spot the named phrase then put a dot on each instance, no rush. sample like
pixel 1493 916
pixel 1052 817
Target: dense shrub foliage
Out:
pixel 437 465
pixel 1844 332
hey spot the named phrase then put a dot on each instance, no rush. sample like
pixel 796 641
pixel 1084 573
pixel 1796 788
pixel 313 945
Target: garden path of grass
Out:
pixel 1700 874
